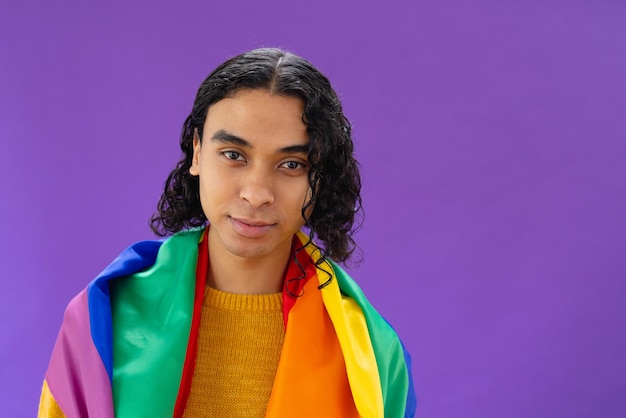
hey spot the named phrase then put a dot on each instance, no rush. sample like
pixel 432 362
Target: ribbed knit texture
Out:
pixel 239 345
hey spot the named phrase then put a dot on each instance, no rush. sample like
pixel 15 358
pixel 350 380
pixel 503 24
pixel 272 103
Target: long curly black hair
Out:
pixel 333 175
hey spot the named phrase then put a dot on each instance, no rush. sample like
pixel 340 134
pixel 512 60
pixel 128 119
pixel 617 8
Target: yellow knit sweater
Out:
pixel 239 344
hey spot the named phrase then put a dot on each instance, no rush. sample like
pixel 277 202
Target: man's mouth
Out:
pixel 251 228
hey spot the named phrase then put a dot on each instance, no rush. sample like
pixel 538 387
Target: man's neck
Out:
pixel 262 275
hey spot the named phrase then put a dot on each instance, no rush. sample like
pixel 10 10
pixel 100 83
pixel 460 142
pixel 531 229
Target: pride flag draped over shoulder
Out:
pixel 150 294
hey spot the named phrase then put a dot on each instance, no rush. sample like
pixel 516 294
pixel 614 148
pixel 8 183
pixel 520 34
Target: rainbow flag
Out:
pixel 340 358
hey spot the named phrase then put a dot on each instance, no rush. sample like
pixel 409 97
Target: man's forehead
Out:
pixel 257 118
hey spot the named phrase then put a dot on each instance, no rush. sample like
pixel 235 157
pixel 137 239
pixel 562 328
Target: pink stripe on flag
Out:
pixel 76 375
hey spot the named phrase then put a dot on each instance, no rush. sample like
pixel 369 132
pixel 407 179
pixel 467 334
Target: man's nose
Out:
pixel 257 188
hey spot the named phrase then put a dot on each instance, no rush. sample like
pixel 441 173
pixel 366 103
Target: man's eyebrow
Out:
pixel 226 137
pixel 295 149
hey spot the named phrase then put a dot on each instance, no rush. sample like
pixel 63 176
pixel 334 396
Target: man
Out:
pixel 239 313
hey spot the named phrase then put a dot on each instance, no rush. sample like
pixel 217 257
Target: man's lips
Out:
pixel 250 228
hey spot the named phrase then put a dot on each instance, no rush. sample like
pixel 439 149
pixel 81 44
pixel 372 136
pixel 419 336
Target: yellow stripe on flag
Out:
pixel 48 407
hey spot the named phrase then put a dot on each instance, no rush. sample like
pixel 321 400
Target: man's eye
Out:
pixel 232 155
pixel 293 165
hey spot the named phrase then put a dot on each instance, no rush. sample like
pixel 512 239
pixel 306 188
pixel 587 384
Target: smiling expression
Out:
pixel 253 173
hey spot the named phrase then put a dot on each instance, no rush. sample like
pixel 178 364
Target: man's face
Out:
pixel 253 170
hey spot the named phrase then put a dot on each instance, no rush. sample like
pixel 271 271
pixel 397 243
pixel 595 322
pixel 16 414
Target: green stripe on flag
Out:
pixel 152 313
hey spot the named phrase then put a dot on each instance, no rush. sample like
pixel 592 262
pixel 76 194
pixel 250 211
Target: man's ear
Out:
pixel 194 170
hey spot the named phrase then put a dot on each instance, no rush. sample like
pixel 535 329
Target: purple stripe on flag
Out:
pixel 76 375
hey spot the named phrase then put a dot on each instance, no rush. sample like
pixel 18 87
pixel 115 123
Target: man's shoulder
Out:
pixel 379 327
pixel 144 254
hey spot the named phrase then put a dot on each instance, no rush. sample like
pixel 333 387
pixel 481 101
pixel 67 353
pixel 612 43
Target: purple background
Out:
pixel 492 140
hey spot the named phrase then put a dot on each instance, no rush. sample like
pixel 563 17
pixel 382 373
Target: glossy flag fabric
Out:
pixel 339 357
